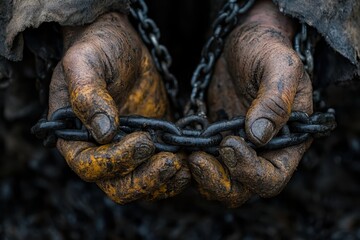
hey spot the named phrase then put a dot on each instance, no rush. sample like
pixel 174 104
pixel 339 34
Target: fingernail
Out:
pixel 143 151
pixel 228 156
pixel 262 129
pixel 100 125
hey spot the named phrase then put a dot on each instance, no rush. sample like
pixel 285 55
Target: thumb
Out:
pixel 85 73
pixel 273 104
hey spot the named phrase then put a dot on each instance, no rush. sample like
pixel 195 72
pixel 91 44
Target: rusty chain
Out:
pixel 193 132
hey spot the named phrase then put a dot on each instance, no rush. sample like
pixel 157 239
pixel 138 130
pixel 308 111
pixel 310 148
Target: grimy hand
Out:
pixel 106 71
pixel 260 76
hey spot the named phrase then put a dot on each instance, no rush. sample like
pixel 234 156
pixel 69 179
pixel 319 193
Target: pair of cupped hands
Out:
pixel 107 71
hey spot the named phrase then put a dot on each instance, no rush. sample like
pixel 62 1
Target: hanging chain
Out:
pixel 193 132
pixel 150 34
pixel 303 47
pixel 226 20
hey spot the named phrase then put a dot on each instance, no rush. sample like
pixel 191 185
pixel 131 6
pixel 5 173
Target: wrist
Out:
pixel 110 20
pixel 265 13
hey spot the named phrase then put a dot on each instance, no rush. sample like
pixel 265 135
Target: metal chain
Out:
pixel 150 34
pixel 303 47
pixel 193 132
pixel 173 137
pixel 225 21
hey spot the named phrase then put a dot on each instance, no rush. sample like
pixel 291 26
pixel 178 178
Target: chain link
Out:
pixel 303 47
pixel 150 34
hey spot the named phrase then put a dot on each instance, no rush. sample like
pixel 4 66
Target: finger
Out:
pixel 214 182
pixel 58 91
pixel 278 86
pixel 93 163
pixel 175 185
pixel 85 72
pixel 143 180
pixel 265 175
pixel 304 96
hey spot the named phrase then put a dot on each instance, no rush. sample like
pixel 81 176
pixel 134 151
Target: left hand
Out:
pixel 259 75
pixel 106 71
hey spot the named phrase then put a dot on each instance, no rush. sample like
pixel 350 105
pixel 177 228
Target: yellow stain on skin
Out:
pixel 159 192
pixel 217 172
pixel 148 98
pixel 145 100
pixel 177 165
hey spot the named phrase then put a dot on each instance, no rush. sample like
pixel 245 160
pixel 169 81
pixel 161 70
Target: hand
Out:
pixel 106 71
pixel 260 76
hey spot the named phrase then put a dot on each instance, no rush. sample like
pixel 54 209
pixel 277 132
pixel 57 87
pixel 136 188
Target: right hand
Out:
pixel 261 77
pixel 106 71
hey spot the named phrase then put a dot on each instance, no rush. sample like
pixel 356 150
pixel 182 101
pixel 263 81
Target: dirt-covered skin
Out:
pixel 106 70
pixel 260 76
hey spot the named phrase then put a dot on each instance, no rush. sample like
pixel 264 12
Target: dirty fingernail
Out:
pixel 143 151
pixel 100 125
pixel 263 129
pixel 228 156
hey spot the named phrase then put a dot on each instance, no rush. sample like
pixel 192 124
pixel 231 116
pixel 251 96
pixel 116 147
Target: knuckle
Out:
pixel 73 55
pixel 85 167
pixel 278 105
pixel 84 58
pixel 274 186
pixel 297 63
pixel 231 141
pixel 285 57
pixel 196 159
pixel 80 96
pixel 238 196
pixel 170 160
pixel 85 174
pixel 121 197
pixel 110 188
